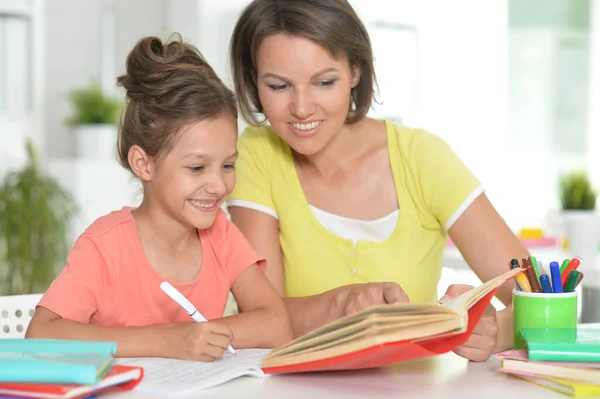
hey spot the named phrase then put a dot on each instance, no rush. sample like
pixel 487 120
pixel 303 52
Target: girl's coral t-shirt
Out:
pixel 109 281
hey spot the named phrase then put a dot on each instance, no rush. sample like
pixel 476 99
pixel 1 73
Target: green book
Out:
pixel 562 344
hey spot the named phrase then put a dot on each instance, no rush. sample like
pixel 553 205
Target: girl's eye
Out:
pixel 326 83
pixel 229 166
pixel 278 87
pixel 196 168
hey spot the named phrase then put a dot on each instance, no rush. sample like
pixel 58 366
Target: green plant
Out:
pixel 93 106
pixel 35 213
pixel 576 192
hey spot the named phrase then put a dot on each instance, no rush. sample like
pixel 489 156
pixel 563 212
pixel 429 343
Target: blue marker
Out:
pixel 545 281
pixel 556 281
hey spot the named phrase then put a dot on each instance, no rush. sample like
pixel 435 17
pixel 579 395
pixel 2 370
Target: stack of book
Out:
pixel 43 368
pixel 564 360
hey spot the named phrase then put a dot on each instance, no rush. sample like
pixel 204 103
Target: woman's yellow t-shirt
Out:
pixel 433 188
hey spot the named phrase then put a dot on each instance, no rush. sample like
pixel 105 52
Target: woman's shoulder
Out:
pixel 416 144
pixel 411 137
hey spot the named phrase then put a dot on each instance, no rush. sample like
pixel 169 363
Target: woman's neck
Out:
pixel 348 144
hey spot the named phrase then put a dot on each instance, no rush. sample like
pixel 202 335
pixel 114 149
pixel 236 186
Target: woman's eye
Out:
pixel 326 83
pixel 229 166
pixel 196 168
pixel 278 87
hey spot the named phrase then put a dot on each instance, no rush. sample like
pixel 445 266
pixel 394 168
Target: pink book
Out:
pixel 522 355
pixel 517 362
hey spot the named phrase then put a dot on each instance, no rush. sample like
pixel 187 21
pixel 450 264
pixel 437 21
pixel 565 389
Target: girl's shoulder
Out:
pixel 107 223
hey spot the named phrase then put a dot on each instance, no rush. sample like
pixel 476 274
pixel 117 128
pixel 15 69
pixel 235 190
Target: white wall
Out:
pixel 72 40
pixel 462 81
pixel 73 53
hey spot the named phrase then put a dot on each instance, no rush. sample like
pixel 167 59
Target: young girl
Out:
pixel 178 136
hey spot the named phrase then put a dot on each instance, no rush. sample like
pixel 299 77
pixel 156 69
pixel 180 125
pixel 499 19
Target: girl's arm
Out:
pixel 263 321
pixel 487 244
pixel 188 341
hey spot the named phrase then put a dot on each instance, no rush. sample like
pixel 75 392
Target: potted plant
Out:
pixel 582 223
pixel 35 216
pixel 94 122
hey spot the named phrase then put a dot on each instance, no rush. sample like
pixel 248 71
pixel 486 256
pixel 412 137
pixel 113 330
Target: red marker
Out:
pixel 573 265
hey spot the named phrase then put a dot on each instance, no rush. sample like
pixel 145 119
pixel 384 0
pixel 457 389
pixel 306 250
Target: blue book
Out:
pixel 55 361
pixel 30 345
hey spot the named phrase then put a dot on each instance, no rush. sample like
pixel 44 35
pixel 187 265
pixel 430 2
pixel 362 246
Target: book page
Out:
pixel 172 377
pixel 462 303
pixel 381 337
pixel 373 324
pixel 401 313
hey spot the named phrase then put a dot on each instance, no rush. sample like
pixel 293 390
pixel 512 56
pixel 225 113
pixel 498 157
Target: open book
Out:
pixel 386 334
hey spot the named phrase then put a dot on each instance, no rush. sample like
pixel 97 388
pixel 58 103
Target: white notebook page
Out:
pixel 180 377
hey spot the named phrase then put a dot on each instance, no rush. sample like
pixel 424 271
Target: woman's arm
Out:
pixel 307 313
pixel 189 341
pixel 487 244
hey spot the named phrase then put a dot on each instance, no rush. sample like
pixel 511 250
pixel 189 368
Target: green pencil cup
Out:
pixel 535 310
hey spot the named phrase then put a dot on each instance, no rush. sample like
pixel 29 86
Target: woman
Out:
pixel 348 210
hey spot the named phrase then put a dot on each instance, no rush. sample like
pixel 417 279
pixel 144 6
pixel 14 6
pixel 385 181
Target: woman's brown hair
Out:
pixel 169 86
pixel 332 23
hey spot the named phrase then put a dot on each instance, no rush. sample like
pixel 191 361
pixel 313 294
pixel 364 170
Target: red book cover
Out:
pixel 119 377
pixel 394 352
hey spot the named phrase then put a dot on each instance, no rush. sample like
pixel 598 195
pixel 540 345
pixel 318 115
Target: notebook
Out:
pixel 563 344
pixel 54 361
pixel 386 334
pixel 171 377
pixel 119 377
pixel 574 389
pixel 517 362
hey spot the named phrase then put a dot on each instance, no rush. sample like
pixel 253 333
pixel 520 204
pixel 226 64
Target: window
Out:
pixel 395 50
pixel 548 52
pixel 15 64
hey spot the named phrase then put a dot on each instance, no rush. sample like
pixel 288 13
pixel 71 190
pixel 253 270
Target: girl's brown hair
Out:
pixel 332 23
pixel 169 86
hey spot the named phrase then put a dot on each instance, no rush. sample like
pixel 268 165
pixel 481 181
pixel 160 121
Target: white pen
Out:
pixel 186 305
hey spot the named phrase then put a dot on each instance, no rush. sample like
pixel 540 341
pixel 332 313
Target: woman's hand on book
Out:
pixel 482 341
pixel 203 342
pixel 352 298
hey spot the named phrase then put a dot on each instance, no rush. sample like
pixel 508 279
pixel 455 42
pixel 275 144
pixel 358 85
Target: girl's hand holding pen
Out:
pixel 204 342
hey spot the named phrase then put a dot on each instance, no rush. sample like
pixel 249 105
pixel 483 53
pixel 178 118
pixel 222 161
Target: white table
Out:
pixel 444 376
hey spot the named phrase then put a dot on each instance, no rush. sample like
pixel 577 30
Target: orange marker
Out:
pixel 573 265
